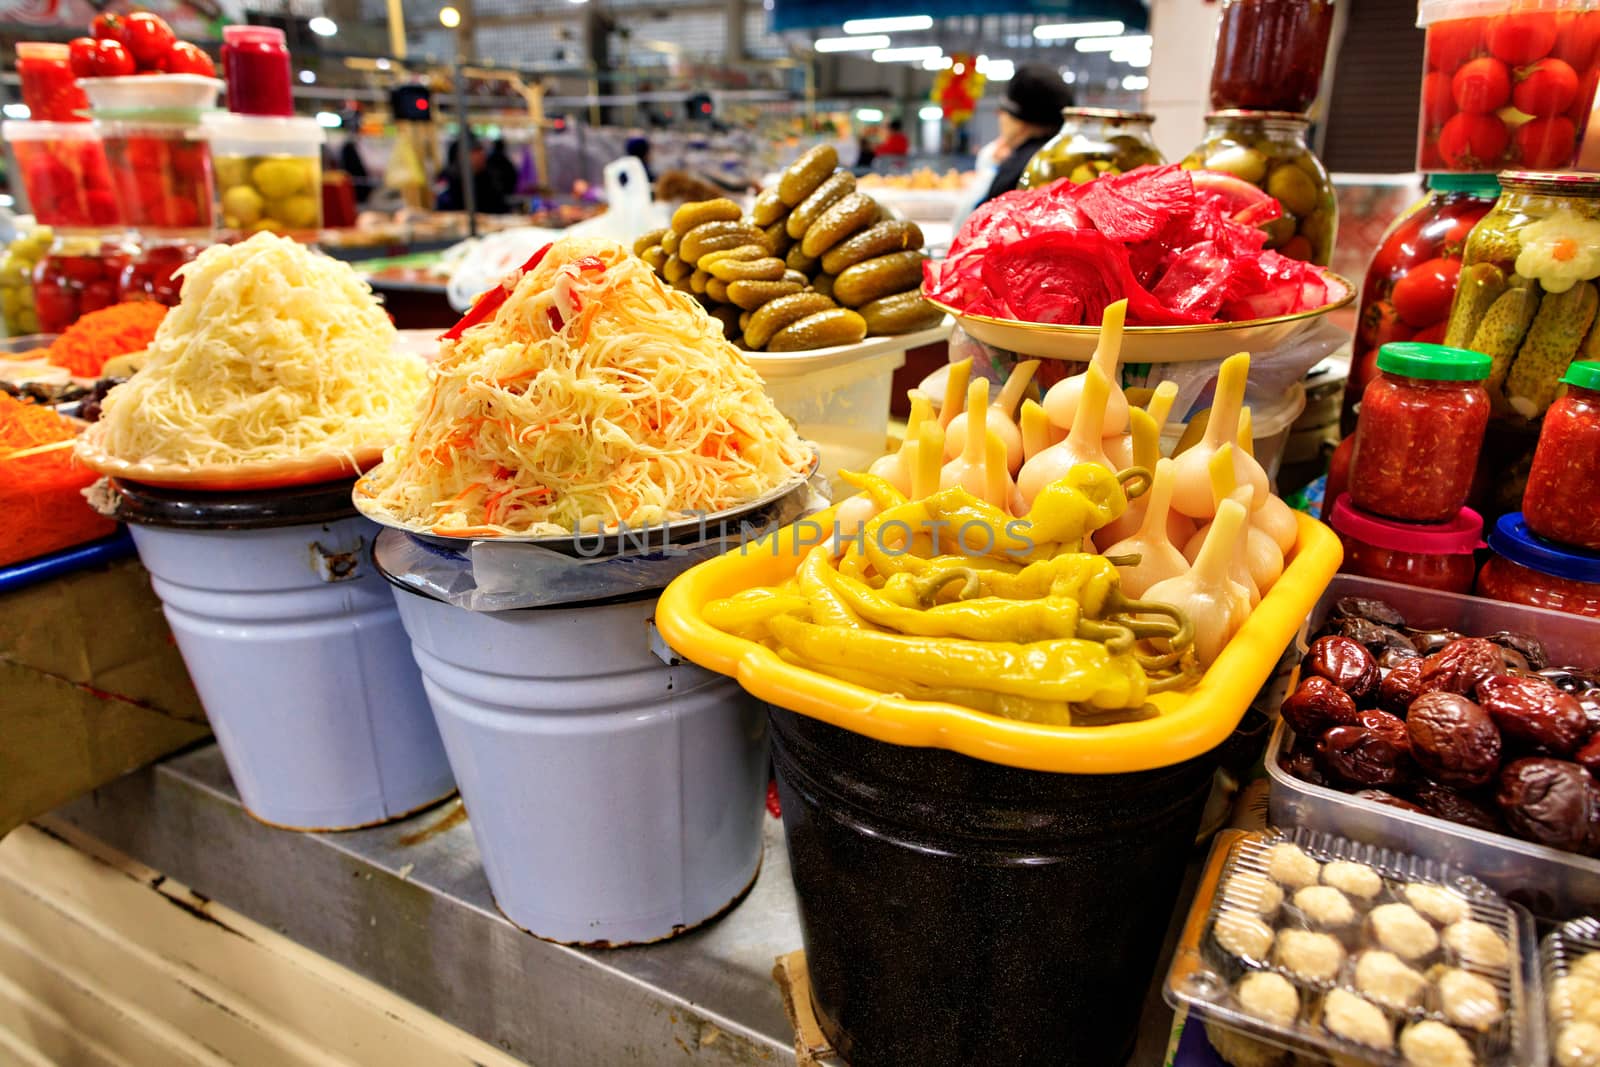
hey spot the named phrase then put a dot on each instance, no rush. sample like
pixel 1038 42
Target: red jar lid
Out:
pixel 1458 537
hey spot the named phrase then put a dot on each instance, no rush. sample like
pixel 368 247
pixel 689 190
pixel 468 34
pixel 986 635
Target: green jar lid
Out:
pixel 1484 185
pixel 1584 374
pixel 1440 363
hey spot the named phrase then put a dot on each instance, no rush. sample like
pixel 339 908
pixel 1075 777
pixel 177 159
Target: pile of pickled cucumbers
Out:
pixel 817 263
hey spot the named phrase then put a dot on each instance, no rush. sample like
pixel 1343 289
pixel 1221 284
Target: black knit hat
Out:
pixel 1036 94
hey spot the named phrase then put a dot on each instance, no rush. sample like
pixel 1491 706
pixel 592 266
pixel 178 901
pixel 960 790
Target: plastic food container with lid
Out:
pixel 1562 500
pixel 1419 432
pixel 1506 83
pixel 1270 53
pixel 1570 955
pixel 1093 141
pixel 1268 149
pixel 1433 555
pixel 49 88
pixel 1528 570
pixel 1315 943
pixel 64 172
pixel 269 173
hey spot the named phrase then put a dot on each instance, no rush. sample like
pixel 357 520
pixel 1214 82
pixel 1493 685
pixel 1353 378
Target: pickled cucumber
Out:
pixel 749 251
pixel 655 258
pixel 824 329
pixel 878 277
pixel 717 289
pixel 751 294
pixel 729 317
pixel 767 269
pixel 798 260
pixel 689 216
pixel 697 281
pixel 1558 329
pixel 777 314
pixel 777 238
pixel 801 178
pixel 715 237
pixel 646 241
pixel 878 240
pixel 1500 333
pixel 1490 242
pixel 823 283
pixel 768 208
pixel 669 242
pixel 847 216
pixel 833 189
pixel 796 277
pixel 1481 285
pixel 674 269
pixel 899 313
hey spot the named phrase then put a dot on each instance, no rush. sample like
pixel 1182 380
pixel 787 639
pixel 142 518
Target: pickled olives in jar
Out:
pixel 1562 500
pixel 1093 141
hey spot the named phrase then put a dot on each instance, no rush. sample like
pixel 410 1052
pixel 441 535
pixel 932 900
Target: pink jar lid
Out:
pixel 1460 536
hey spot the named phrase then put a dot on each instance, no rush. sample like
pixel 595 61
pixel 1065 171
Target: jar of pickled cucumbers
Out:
pixel 1093 141
pixel 1268 149
pixel 269 173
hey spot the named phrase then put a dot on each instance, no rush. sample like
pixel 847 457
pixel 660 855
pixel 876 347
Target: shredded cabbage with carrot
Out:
pixel 595 397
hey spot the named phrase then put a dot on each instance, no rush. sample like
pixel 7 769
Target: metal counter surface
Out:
pixel 406 905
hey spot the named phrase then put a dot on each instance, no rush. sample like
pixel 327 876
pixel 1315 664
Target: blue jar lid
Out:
pixel 1512 539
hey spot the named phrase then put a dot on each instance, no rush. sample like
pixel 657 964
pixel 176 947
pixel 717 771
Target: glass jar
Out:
pixel 49 88
pixel 269 173
pixel 1270 53
pixel 255 63
pixel 1268 149
pixel 82 272
pixel 163 174
pixel 1412 278
pixel 1093 141
pixel 1433 556
pixel 1421 426
pixel 1506 92
pixel 1525 570
pixel 16 280
pixel 1562 500
pixel 149 273
pixel 64 172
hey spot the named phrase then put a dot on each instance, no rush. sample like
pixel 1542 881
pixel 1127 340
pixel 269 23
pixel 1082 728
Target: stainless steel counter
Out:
pixel 407 906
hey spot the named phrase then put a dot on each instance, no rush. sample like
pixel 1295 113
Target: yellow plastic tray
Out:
pixel 1192 721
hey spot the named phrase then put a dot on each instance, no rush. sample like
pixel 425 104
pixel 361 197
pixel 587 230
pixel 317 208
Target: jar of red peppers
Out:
pixel 49 88
pixel 82 272
pixel 1432 556
pixel 1412 278
pixel 1562 500
pixel 1527 570
pixel 64 173
pixel 1419 432
pixel 1270 53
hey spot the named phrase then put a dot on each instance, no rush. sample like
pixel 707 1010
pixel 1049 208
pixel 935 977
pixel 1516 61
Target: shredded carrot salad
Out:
pixel 87 345
pixel 42 508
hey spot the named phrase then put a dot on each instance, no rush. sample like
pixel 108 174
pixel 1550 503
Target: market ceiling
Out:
pixel 808 14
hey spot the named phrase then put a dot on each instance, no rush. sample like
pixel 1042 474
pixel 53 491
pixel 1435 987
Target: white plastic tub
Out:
pixel 615 799
pixel 298 655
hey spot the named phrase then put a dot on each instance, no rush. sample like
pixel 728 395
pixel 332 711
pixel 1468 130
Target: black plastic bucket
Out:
pixel 957 912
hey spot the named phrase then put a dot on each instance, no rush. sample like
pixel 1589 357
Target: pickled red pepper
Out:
pixel 1562 500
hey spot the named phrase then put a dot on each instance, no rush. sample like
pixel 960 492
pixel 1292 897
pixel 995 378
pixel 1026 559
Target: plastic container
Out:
pixel 49 88
pixel 837 398
pixel 1094 141
pixel 162 170
pixel 1570 955
pixel 1526 570
pixel 913 864
pixel 1433 556
pixel 296 649
pixel 150 92
pixel 269 173
pixel 1268 149
pixel 1269 54
pixel 1246 876
pixel 82 272
pixel 1506 83
pixel 615 799
pixel 1553 884
pixel 64 172
pixel 1412 278
pixel 255 63
pixel 1562 500
pixel 1420 429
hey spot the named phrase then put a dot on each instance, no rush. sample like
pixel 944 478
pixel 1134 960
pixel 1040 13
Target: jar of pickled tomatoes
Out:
pixel 81 273
pixel 1412 278
pixel 1432 556
pixel 1562 500
pixel 49 88
pixel 1419 432
pixel 1527 570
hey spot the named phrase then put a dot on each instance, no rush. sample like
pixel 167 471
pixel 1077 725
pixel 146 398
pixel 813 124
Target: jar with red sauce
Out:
pixel 1419 432
pixel 1412 278
pixel 64 173
pixel 81 273
pixel 1527 570
pixel 49 88
pixel 1431 555
pixel 1562 500
pixel 255 63
pixel 1270 54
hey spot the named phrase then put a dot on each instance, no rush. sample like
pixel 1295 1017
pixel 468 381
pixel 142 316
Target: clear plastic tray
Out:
pixel 1553 884
pixel 1205 976
pixel 1570 968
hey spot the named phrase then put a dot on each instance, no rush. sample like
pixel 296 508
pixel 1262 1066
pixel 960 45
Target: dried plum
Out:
pixel 1451 804
pixel 1528 646
pixel 1361 756
pixel 1428 642
pixel 1549 801
pixel 1459 666
pixel 1378 796
pixel 1343 662
pixel 1400 686
pixel 1378 611
pixel 1453 739
pixel 1534 712
pixel 1317 705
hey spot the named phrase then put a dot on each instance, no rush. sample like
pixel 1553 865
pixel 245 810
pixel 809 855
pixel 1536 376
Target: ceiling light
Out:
pixel 328 120
pixel 996 70
pixel 890 25
pixel 1112 44
pixel 930 113
pixel 382 64
pixel 938 63
pixel 16 111
pixel 1132 59
pixel 869 114
pixel 851 44
pixel 323 26
pixel 307 78
pixel 449 18
pixel 1066 31
pixel 1135 83
pixel 1069 76
pixel 914 54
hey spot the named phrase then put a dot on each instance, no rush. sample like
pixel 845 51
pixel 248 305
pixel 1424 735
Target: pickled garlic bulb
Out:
pixel 1193 495
pixel 1217 604
pixel 1002 418
pixel 955 391
pixel 895 468
pixel 967 469
pixel 1144 450
pixel 1083 443
pixel 1037 433
pixel 1061 402
pixel 1159 559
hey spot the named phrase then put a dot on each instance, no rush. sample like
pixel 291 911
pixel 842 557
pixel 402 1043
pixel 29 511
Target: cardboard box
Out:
pixel 91 687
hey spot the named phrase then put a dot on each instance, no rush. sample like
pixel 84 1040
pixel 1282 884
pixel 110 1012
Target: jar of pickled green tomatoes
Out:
pixel 1093 141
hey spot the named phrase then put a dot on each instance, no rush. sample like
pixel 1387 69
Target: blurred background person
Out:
pixel 1030 115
